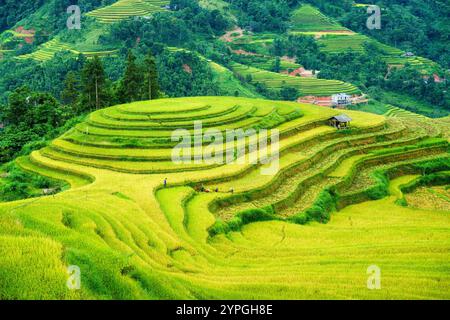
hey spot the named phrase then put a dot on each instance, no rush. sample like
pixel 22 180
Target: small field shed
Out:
pixel 341 121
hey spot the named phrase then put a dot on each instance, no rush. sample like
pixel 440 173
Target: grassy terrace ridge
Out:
pixel 309 19
pixel 277 236
pixel 339 43
pixel 125 9
pixel 48 50
pixel 305 86
pixel 402 113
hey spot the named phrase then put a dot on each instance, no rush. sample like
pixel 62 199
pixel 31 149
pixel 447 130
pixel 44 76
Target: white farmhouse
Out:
pixel 341 99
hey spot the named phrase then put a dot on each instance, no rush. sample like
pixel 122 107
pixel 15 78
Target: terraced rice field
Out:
pixel 334 38
pixel 251 43
pixel 309 19
pixel 5 52
pixel 305 86
pixel 125 9
pixel 135 239
pixel 340 43
pixel 402 113
pixel 267 63
pixel 229 84
pixel 48 50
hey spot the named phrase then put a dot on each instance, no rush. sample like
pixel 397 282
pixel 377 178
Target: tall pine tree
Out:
pixel 151 82
pixel 70 93
pixel 130 88
pixel 94 84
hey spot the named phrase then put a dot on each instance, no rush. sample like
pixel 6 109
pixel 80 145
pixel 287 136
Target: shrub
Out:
pixel 243 218
pixel 321 209
pixel 402 202
pixel 254 215
pixel 14 191
pixel 301 218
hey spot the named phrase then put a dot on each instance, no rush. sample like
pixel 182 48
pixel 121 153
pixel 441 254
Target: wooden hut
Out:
pixel 340 122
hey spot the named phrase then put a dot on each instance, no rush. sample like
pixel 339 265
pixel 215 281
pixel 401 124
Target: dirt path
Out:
pixel 232 35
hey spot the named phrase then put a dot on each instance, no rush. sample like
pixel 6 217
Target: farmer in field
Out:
pixel 165 182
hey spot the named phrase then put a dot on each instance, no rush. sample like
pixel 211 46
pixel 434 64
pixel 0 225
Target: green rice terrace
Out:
pixel 48 50
pixel 125 9
pixel 305 86
pixel 309 20
pixel 340 43
pixel 340 202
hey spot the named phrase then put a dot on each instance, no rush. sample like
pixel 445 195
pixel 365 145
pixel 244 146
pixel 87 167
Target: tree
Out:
pixel 15 111
pixel 29 116
pixel 289 93
pixel 70 93
pixel 94 84
pixel 130 88
pixel 151 82
pixel 276 67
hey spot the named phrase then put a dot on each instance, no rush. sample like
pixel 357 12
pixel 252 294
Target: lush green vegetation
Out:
pixel 416 26
pixel 368 68
pixel 263 15
pixel 18 184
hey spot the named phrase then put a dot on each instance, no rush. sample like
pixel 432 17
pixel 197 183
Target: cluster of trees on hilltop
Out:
pixel 32 118
pixel 186 74
pixel 187 24
pixel 264 15
pixel 91 89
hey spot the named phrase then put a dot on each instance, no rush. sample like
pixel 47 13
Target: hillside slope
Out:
pixel 134 239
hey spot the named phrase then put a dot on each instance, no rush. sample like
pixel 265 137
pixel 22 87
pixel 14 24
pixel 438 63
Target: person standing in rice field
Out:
pixel 165 182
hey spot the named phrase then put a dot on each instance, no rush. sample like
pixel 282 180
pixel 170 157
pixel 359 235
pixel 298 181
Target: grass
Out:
pixel 135 239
